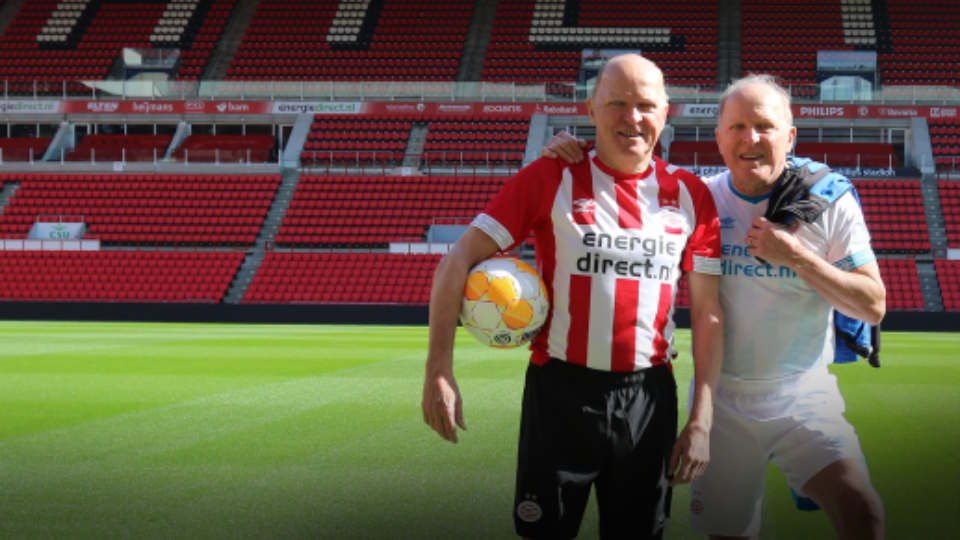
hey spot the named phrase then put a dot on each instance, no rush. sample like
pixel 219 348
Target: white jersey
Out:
pixel 776 324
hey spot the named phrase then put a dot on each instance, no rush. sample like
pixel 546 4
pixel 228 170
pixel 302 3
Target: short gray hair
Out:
pixel 766 80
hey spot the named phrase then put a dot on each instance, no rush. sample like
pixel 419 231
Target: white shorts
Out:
pixel 796 422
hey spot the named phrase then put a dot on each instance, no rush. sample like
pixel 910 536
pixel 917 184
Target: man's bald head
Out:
pixel 626 63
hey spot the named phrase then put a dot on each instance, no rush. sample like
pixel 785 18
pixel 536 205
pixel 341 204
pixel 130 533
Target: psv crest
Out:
pixel 672 218
pixel 529 511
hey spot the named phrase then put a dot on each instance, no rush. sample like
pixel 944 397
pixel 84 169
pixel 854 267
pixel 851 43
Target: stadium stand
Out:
pixel 700 153
pixel 206 210
pixel 338 42
pixel 915 40
pixel 945 139
pixel 387 40
pixel 225 148
pixel 462 139
pixel 23 148
pixel 540 41
pixel 895 215
pixel 920 44
pixel 112 276
pixel 120 148
pixel 705 153
pixel 850 154
pixel 49 42
pixel 948 273
pixel 950 206
pixel 781 38
pixel 360 139
pixel 372 211
pixel 903 284
pixel 344 277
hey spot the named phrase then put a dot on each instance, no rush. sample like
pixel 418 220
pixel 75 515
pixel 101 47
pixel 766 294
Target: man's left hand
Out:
pixel 691 453
pixel 773 242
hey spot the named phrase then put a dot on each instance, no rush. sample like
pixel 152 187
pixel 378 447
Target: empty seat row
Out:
pixel 379 278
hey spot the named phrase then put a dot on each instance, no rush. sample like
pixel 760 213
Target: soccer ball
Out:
pixel 504 303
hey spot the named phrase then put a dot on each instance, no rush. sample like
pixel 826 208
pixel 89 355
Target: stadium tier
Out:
pixel 365 139
pixel 700 153
pixel 540 41
pixel 120 148
pixel 948 273
pixel 950 205
pixel 343 277
pixel 945 139
pixel 705 153
pixel 466 140
pixel 923 47
pixel 332 44
pixel 850 154
pixel 225 149
pixel 895 215
pixel 111 276
pixel 373 211
pixel 385 40
pixel 23 148
pixel 49 42
pixel 902 283
pixel 208 210
pixel 915 41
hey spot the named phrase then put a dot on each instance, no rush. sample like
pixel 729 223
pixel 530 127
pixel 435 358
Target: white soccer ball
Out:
pixel 504 303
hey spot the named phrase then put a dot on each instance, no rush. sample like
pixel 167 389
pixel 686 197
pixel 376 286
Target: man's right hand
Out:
pixel 565 146
pixel 442 406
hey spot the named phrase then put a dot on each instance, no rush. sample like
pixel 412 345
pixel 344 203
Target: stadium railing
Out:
pixel 439 91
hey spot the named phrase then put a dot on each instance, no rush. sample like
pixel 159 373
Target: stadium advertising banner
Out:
pixel 166 107
pixel 695 110
pixel 57 231
pixel 317 107
pixel 478 109
pixel 29 107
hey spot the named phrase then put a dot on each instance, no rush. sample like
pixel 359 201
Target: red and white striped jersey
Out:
pixel 611 248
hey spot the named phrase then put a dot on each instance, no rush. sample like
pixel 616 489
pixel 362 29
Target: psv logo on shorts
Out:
pixel 529 511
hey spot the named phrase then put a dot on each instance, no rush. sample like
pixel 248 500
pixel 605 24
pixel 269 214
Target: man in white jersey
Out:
pixel 776 401
pixel 613 235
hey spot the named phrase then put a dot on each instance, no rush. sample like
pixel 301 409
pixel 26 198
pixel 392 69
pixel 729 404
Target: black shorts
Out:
pixel 582 427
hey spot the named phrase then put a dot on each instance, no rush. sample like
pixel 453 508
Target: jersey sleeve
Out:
pixel 521 203
pixel 702 254
pixel 849 242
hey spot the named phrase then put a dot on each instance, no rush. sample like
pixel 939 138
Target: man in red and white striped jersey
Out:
pixel 614 234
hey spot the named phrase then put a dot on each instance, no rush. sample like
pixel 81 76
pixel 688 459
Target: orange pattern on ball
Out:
pixel 477 285
pixel 518 314
pixel 502 291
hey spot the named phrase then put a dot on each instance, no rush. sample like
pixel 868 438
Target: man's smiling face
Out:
pixel 754 137
pixel 629 109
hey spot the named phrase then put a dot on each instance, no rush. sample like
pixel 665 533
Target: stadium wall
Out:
pixel 400 315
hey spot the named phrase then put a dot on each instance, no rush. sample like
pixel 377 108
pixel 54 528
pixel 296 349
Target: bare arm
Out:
pixel 706 321
pixel 565 146
pixel 858 293
pixel 442 405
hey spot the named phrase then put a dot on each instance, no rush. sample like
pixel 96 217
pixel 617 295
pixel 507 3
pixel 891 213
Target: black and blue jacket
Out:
pixel 803 192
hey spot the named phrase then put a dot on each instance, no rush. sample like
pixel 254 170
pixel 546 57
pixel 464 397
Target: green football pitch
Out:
pixel 236 431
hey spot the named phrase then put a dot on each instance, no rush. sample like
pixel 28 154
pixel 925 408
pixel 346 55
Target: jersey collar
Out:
pixel 619 175
pixel 752 200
